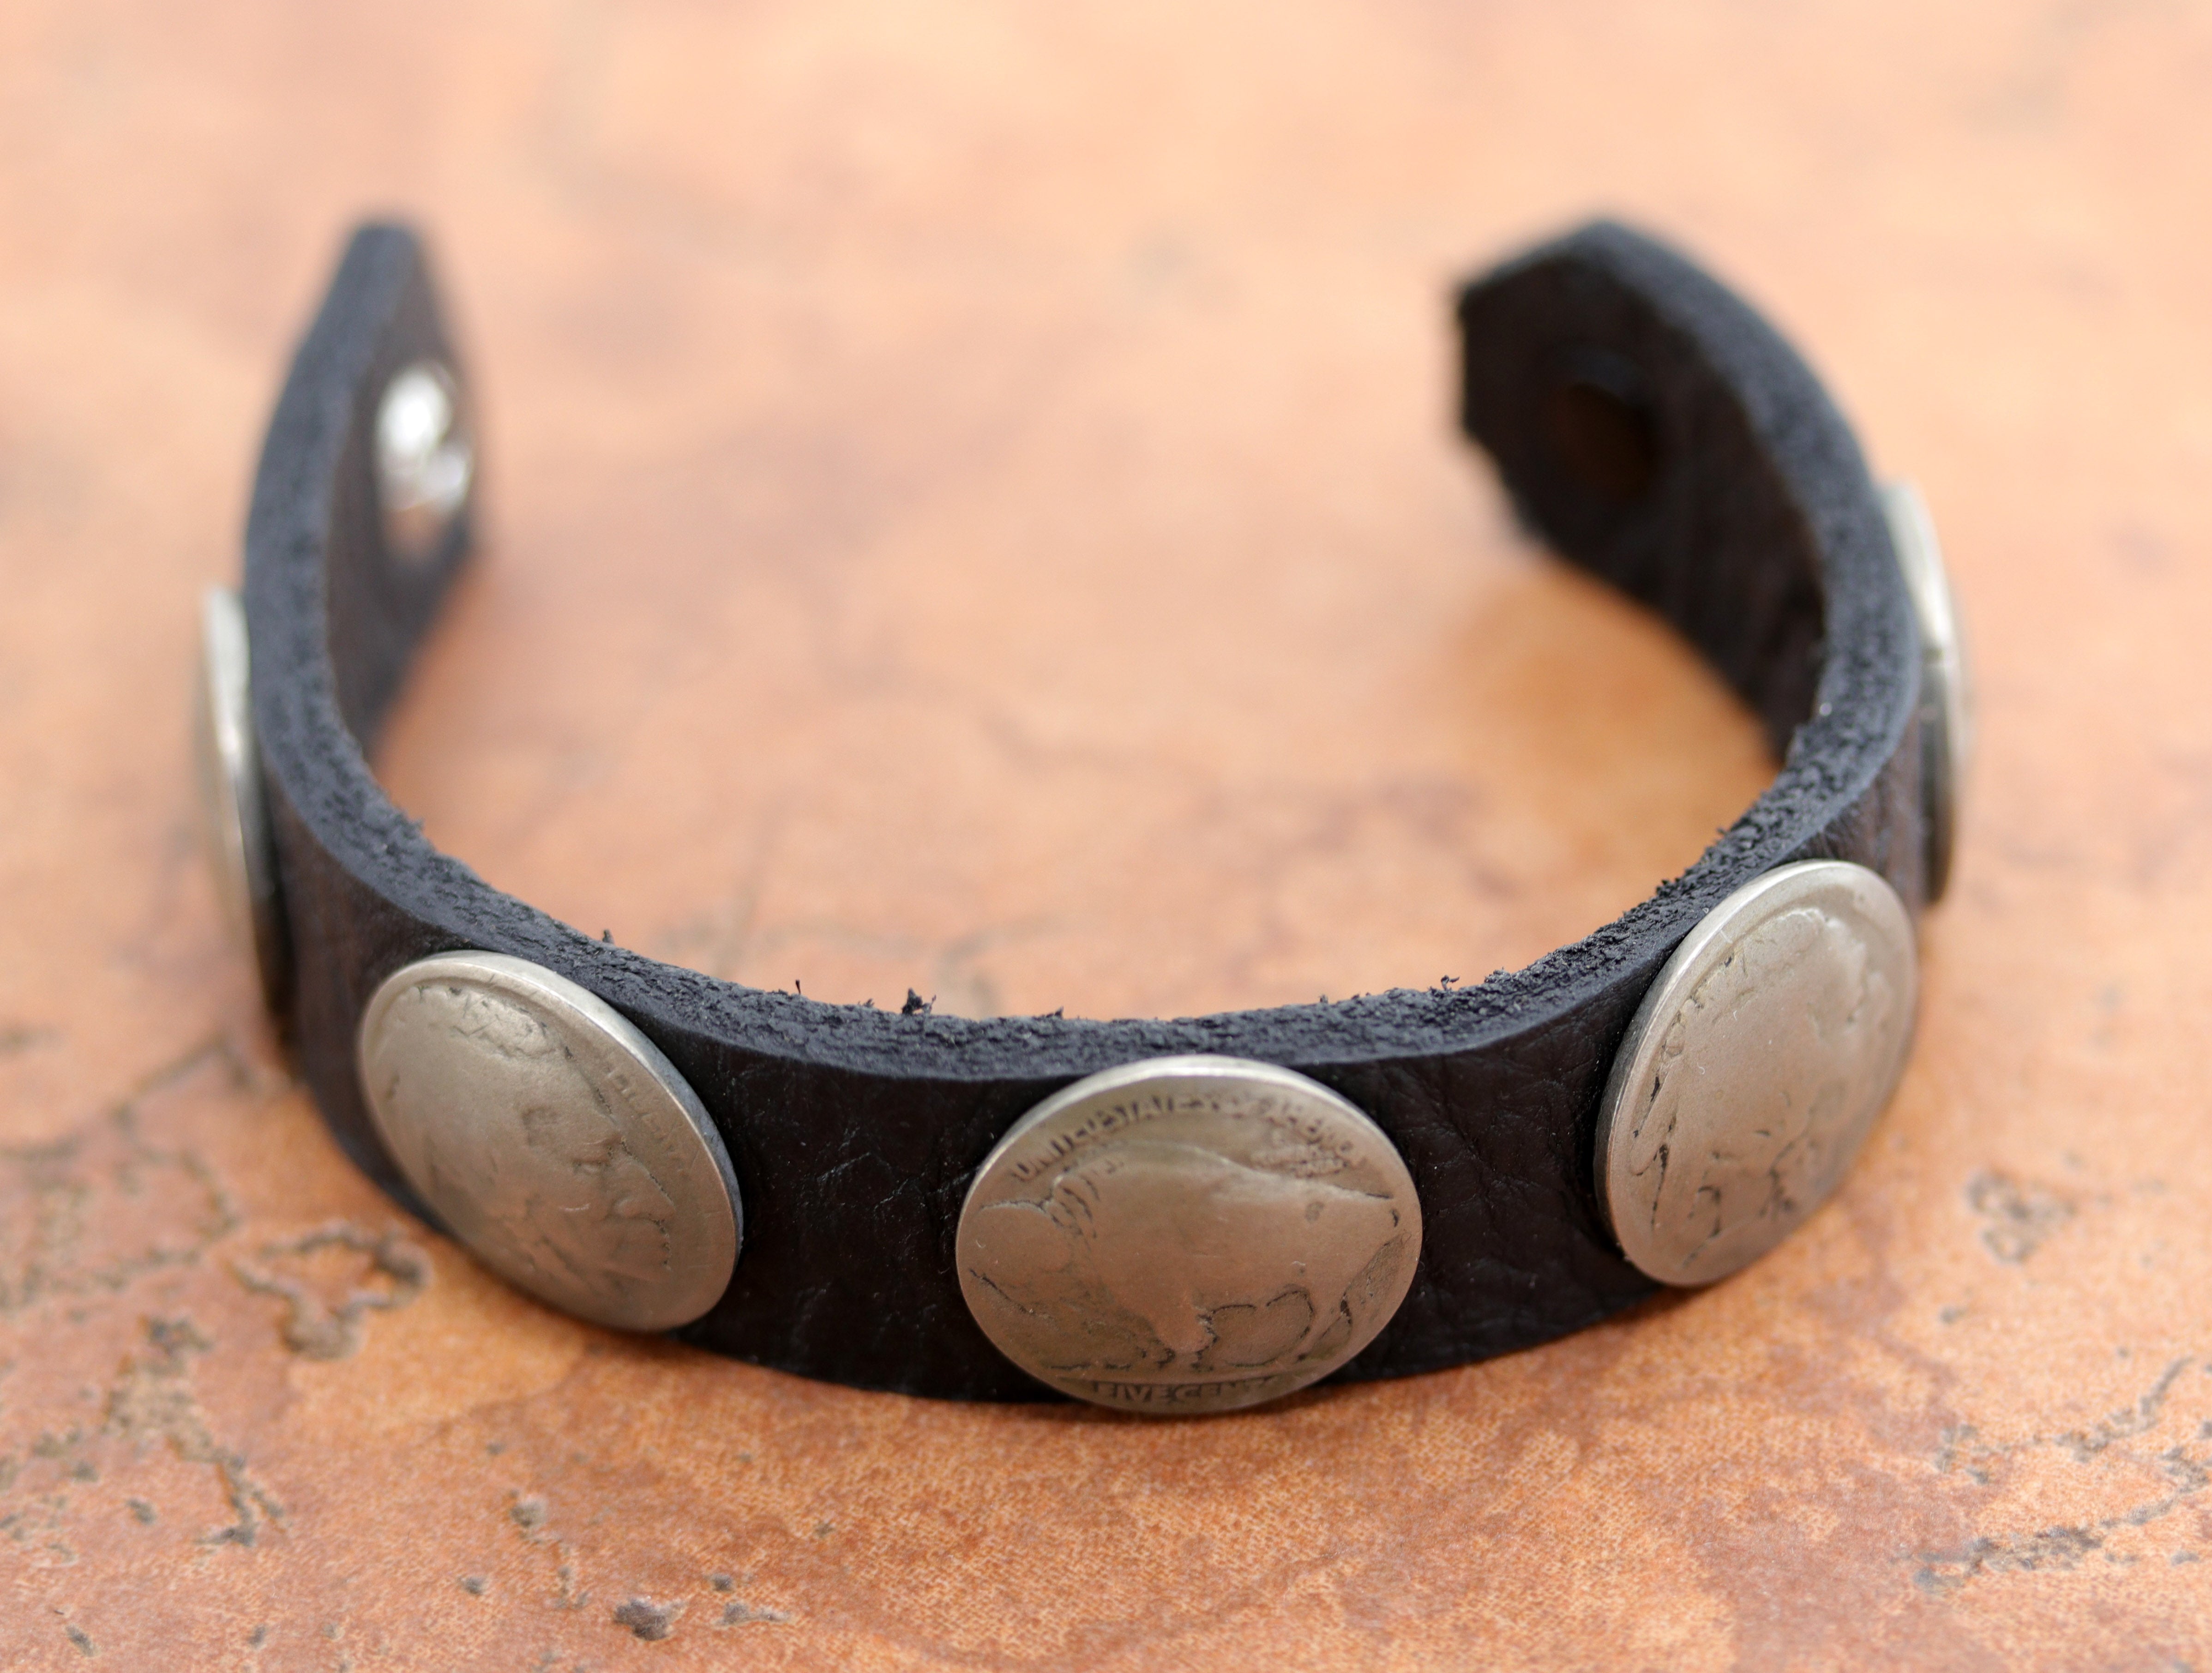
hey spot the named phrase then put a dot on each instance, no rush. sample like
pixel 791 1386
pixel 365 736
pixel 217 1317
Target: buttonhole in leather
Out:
pixel 1606 440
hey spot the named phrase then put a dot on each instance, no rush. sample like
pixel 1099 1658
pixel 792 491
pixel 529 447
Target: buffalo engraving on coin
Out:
pixel 1760 1072
pixel 1198 1243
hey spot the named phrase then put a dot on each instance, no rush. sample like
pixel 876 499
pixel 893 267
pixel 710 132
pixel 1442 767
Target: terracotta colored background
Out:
pixel 973 509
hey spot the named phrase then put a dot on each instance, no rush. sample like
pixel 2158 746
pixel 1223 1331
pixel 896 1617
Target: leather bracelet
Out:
pixel 1165 1216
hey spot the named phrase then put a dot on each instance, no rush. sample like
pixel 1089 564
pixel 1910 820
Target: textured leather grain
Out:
pixel 1728 493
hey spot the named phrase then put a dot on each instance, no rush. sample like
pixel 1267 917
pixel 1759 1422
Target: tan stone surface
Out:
pixel 973 509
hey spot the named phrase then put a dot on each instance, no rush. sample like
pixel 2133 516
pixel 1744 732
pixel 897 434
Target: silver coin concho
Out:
pixel 234 816
pixel 1188 1234
pixel 1947 698
pixel 555 1141
pixel 426 459
pixel 1755 1068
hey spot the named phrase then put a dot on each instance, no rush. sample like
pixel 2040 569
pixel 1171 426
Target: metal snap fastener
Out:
pixel 1755 1068
pixel 554 1141
pixel 425 460
pixel 1947 698
pixel 1188 1234
pixel 233 815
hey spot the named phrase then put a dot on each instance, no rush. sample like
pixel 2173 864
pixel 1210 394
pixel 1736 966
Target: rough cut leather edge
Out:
pixel 854 1131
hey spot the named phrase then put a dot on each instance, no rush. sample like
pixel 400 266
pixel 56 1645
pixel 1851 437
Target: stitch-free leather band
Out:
pixel 1648 426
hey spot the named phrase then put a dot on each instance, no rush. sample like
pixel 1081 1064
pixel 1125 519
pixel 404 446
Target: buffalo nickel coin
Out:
pixel 554 1139
pixel 1755 1068
pixel 1947 698
pixel 241 850
pixel 1188 1234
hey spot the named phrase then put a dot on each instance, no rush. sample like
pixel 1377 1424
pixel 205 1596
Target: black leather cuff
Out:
pixel 1650 427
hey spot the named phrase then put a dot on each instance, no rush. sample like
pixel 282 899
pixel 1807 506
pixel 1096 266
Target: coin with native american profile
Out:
pixel 1763 1053
pixel 1188 1234
pixel 553 1139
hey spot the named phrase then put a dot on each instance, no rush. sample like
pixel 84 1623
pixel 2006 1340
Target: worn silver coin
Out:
pixel 555 1141
pixel 426 459
pixel 1755 1068
pixel 1947 698
pixel 241 850
pixel 1188 1234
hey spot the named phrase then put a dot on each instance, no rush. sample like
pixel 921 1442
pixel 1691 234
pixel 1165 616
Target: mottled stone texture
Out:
pixel 983 477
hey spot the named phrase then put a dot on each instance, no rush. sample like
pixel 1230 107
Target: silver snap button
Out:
pixel 425 460
pixel 1755 1068
pixel 234 816
pixel 557 1143
pixel 1947 698
pixel 1188 1234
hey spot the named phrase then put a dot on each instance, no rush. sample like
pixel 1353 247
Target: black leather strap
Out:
pixel 1650 426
